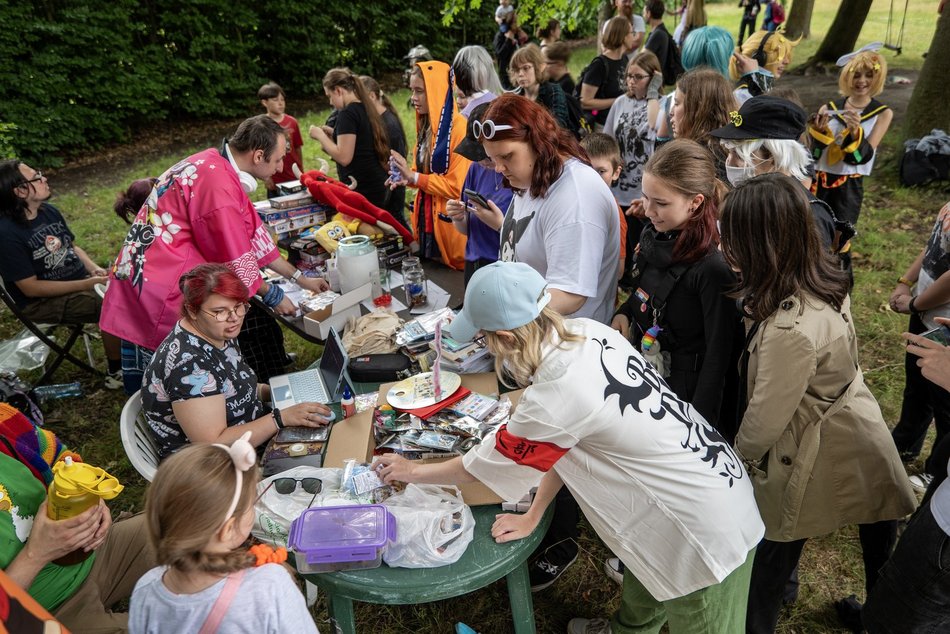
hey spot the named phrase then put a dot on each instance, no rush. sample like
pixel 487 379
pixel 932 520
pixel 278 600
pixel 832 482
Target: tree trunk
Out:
pixel 799 19
pixel 928 104
pixel 843 34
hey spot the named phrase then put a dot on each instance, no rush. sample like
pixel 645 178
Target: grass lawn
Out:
pixel 894 226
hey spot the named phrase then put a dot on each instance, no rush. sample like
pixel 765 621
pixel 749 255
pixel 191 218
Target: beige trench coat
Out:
pixel 817 448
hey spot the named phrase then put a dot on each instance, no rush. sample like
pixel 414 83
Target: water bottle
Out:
pixel 75 488
pixel 60 390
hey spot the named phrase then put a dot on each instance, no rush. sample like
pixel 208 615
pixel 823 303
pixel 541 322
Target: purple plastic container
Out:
pixel 333 538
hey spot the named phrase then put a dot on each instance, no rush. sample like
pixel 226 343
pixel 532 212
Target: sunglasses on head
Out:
pixel 486 129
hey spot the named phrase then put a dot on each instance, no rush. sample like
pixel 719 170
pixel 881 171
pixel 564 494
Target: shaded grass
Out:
pixel 894 227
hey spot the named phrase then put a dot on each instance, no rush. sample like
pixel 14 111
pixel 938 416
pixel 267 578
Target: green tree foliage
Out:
pixel 75 75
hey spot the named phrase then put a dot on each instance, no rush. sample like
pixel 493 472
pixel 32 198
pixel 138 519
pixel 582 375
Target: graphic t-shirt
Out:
pixel 186 366
pixel 628 123
pixel 44 248
pixel 661 487
pixel 571 237
pixel 365 166
pixel 20 496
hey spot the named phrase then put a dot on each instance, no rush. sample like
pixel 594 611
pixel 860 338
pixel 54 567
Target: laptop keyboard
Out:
pixel 307 388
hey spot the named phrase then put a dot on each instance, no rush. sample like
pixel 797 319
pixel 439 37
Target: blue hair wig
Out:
pixel 710 46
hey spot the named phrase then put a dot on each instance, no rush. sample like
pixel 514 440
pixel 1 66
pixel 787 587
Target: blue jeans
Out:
pixel 912 593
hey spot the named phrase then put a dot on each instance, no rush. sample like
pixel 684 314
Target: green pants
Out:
pixel 716 609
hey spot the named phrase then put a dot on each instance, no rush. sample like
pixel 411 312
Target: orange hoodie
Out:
pixel 439 187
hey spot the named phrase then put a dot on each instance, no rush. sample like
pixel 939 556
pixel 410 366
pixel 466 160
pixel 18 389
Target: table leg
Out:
pixel 341 613
pixel 519 595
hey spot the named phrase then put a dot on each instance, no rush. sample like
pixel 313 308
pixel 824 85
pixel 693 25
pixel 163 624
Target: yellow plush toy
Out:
pixel 330 234
pixel 358 227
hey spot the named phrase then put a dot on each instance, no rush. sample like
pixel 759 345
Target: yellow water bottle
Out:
pixel 76 487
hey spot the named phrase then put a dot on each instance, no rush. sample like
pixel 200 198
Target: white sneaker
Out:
pixel 613 568
pixel 920 482
pixel 588 626
pixel 113 380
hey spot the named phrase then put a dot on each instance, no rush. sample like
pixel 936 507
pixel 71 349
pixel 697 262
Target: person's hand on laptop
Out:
pixel 306 415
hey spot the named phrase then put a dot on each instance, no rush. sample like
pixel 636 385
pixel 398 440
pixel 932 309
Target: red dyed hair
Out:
pixel 534 125
pixel 198 284
pixel 688 168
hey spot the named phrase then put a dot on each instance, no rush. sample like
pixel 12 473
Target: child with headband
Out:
pixel 199 511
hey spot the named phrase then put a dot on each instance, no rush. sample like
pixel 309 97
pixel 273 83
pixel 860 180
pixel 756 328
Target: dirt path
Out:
pixel 173 138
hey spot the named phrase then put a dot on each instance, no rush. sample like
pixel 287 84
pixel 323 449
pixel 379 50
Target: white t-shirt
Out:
pixel 627 122
pixel 571 237
pixel 267 602
pixel 657 483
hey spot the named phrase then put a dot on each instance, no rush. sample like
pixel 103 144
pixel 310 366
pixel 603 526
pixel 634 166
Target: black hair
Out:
pixel 656 9
pixel 269 91
pixel 257 133
pixel 11 205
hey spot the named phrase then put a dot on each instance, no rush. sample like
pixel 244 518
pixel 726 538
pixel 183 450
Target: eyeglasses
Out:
pixel 37 177
pixel 486 129
pixel 224 314
pixel 523 69
pixel 637 77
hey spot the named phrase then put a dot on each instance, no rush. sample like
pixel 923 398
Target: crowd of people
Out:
pixel 657 250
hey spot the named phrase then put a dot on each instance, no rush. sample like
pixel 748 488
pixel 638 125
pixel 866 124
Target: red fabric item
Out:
pixel 426 412
pixel 294 150
pixel 332 192
pixel 531 453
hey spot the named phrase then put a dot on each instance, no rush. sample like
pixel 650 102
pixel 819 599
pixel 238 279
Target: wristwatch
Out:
pixel 277 419
pixel 296 275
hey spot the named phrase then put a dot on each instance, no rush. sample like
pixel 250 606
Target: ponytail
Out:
pixel 344 78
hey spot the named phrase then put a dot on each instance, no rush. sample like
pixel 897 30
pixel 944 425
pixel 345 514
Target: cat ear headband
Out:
pixel 244 457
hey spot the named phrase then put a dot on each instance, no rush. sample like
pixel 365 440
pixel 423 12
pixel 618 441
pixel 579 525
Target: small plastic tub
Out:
pixel 334 538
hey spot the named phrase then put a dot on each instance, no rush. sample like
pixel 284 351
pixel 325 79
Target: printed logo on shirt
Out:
pixel 700 437
pixel 511 232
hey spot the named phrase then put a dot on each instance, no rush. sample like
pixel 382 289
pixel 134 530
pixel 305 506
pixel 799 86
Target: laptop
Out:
pixel 321 385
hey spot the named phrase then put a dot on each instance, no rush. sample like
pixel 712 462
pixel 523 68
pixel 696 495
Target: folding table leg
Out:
pixel 341 612
pixel 519 595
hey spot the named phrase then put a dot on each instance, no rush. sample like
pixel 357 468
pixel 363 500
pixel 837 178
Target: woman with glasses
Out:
pixel 528 74
pixel 632 122
pixel 197 388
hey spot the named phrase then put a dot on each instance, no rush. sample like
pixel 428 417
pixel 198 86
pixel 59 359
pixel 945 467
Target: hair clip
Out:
pixel 735 118
pixel 243 457
pixel 264 554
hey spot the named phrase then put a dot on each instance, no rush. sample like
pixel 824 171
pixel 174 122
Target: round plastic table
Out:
pixel 484 562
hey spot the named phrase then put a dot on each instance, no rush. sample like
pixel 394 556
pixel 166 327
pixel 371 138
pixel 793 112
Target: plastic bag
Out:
pixel 275 511
pixel 25 351
pixel 433 527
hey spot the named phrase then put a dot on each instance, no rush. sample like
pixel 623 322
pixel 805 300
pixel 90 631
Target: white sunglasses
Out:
pixel 486 129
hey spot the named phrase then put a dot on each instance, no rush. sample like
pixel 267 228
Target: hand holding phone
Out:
pixel 476 198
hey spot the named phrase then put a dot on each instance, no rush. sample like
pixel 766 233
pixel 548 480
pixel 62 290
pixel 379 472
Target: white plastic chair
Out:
pixel 137 439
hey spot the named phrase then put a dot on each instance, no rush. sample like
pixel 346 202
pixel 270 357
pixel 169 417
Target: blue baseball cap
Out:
pixel 500 296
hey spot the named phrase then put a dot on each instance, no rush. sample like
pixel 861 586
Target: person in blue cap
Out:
pixel 657 483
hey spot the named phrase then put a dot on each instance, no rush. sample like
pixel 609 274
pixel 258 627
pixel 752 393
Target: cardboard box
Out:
pixel 319 322
pixel 352 438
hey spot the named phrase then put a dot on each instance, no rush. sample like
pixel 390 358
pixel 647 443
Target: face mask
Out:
pixel 737 175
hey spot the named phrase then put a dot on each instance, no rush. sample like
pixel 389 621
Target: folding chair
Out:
pixel 42 331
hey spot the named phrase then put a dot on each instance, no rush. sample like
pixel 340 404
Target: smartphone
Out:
pixel 476 198
pixel 940 334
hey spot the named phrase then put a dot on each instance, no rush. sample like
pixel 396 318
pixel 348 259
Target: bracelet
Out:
pixel 278 421
pixel 904 280
pixel 273 296
pixel 296 275
pixel 911 306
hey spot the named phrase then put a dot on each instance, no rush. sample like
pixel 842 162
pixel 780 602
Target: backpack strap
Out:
pixel 220 608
